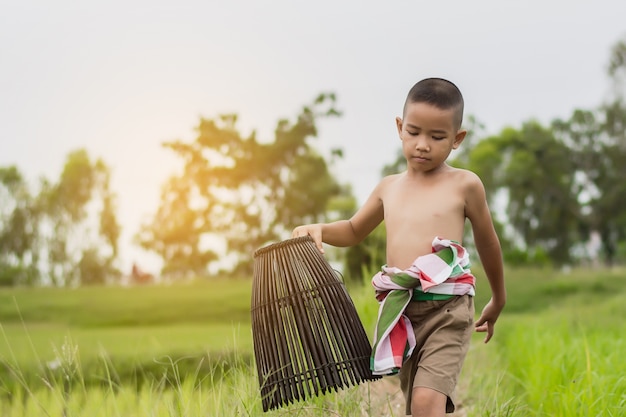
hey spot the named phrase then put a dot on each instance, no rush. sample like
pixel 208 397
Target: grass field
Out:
pixel 130 322
pixel 186 350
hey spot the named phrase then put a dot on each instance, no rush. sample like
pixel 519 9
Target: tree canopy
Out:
pixel 64 234
pixel 236 193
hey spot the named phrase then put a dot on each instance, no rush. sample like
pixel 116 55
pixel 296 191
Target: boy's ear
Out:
pixel 458 139
pixel 399 126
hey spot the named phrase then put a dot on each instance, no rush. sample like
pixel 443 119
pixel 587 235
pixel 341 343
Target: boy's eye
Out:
pixel 412 133
pixel 439 138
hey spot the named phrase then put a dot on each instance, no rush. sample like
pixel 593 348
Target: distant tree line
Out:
pixel 563 183
pixel 234 195
pixel 65 234
pixel 552 188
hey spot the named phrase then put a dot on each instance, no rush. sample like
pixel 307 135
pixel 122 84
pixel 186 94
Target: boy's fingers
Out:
pixel 318 242
pixel 317 238
pixel 485 327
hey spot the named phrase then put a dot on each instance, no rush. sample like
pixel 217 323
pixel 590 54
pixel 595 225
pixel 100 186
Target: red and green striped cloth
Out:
pixel 442 274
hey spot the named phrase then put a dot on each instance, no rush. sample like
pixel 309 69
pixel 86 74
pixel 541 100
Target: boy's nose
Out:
pixel 421 144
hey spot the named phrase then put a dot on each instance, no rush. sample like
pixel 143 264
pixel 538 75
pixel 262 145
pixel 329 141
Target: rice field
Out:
pixel 186 350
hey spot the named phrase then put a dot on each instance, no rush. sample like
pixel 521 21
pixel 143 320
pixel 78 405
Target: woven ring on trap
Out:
pixel 308 338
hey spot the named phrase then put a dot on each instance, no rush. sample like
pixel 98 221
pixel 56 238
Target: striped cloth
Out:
pixel 445 271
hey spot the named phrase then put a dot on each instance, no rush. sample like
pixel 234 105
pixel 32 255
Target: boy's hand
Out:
pixel 313 230
pixel 487 320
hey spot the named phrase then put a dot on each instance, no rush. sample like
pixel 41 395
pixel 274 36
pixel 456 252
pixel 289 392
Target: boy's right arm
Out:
pixel 488 247
pixel 338 233
pixel 344 233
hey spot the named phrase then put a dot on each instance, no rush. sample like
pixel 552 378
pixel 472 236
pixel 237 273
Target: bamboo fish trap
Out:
pixel 308 338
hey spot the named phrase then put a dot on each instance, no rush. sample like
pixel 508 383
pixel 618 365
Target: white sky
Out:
pixel 120 77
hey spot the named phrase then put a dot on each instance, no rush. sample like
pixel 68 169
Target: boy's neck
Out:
pixel 417 174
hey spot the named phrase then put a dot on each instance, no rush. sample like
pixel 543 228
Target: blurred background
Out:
pixel 102 86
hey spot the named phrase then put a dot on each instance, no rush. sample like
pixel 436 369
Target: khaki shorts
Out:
pixel 443 330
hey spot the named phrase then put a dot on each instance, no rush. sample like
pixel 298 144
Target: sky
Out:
pixel 119 78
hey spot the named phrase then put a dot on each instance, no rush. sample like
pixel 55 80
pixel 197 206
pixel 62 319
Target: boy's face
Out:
pixel 428 135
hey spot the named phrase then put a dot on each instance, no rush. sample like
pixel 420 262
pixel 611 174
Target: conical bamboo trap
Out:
pixel 308 338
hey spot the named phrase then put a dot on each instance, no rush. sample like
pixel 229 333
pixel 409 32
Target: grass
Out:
pixel 541 366
pixel 236 394
pixel 202 302
pixel 557 350
pixel 129 336
pixel 186 350
pixel 26 341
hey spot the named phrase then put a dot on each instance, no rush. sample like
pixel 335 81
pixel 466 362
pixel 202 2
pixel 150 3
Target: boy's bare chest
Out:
pixel 423 204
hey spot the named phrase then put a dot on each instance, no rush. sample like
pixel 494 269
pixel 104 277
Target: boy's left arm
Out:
pixel 490 253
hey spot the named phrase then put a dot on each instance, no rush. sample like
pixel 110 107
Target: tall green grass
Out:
pixel 558 348
pixel 225 387
pixel 186 350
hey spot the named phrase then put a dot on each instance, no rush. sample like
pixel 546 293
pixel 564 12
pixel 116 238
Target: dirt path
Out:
pixel 386 399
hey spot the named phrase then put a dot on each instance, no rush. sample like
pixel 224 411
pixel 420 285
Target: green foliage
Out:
pixel 517 257
pixel 617 61
pixel 241 192
pixel 536 172
pixel 176 231
pixel 48 237
pixel 18 230
pixel 67 207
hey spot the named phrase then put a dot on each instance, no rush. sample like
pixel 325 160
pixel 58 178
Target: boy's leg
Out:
pixel 428 402
pixel 442 331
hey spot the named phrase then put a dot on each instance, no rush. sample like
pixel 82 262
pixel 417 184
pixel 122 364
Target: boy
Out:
pixel 424 210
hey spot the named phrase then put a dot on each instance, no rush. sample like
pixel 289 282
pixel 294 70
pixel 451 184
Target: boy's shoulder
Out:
pixel 463 173
pixel 462 181
pixel 468 181
pixel 392 177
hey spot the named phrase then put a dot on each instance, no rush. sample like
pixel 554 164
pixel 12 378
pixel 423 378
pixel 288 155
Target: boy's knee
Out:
pixel 427 402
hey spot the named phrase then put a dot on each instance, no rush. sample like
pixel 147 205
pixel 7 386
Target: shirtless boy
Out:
pixel 429 200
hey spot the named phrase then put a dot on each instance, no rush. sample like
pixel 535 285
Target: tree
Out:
pixel 614 206
pixel 239 193
pixel 586 140
pixel 597 141
pixel 78 229
pixel 66 234
pixel 176 231
pixel 18 230
pixel 535 172
pixel 617 69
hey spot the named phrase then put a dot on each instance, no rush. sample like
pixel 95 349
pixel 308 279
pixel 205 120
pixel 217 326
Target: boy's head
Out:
pixel 440 93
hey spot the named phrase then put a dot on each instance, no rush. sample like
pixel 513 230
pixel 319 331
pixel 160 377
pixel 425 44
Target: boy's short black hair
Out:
pixel 441 93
